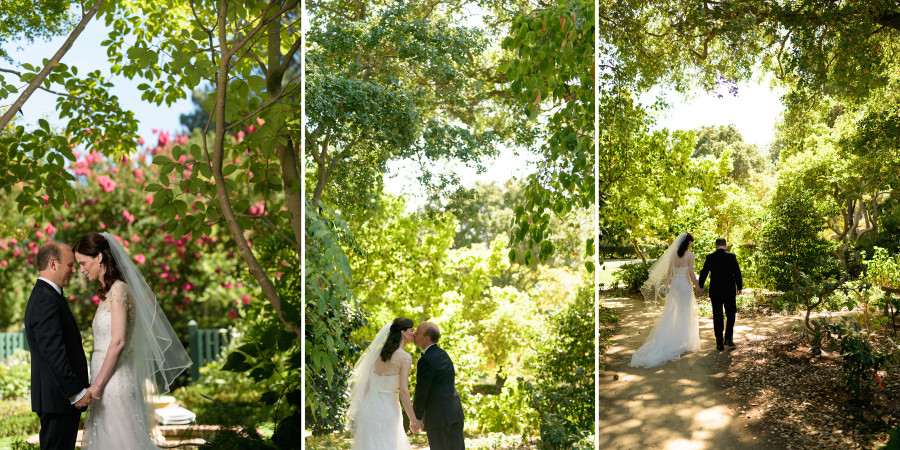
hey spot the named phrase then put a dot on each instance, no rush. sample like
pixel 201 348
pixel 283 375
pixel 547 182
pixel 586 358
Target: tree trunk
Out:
pixel 223 196
pixel 638 251
pixel 290 165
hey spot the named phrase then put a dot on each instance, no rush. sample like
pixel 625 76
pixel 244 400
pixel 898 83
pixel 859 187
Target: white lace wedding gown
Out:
pixel 678 329
pixel 119 420
pixel 379 422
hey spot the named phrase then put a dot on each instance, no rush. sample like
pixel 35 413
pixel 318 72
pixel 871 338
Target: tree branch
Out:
pixel 42 75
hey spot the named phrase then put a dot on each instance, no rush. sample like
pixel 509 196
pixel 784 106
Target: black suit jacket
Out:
pixel 58 366
pixel 726 275
pixel 436 401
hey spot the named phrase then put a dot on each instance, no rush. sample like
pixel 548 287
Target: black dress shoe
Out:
pixel 730 343
pixel 720 347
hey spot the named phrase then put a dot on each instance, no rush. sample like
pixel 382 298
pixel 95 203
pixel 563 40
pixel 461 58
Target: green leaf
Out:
pixel 236 362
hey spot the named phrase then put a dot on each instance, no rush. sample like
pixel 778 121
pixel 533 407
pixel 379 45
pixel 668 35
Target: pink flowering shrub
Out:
pixel 188 273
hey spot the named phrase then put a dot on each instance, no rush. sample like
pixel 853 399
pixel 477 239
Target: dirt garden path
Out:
pixel 681 404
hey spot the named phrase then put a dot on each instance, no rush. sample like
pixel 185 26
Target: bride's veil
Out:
pixel 657 285
pixel 362 372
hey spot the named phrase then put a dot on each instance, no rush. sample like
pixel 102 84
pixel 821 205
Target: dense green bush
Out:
pixel 861 361
pixel 15 375
pixel 507 413
pixel 609 251
pixel 792 238
pixel 16 418
pixel 632 275
pixel 563 391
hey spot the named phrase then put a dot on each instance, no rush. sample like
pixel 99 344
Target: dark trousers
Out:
pixel 730 311
pixel 59 431
pixel 446 438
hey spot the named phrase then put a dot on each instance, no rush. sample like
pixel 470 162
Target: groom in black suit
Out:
pixel 436 402
pixel 59 375
pixel 724 286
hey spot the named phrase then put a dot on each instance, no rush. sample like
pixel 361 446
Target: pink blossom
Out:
pixel 39 234
pixel 102 226
pixel 186 300
pixel 196 255
pixel 71 298
pixel 46 199
pixel 182 159
pixel 4 246
pixel 277 274
pixel 81 168
pixel 118 238
pixel 4 263
pixel 106 183
pixel 260 121
pixel 128 216
pixel 93 158
pixel 246 299
pixel 163 139
pixel 50 229
pixel 95 300
pixel 188 287
pixel 240 285
pixel 155 131
pixel 218 271
pixel 232 314
pixel 16 253
pixel 135 237
pixel 31 260
pixel 258 208
pixel 148 198
pixel 13 241
pixel 140 259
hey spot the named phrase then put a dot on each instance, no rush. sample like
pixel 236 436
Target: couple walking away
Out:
pixel 136 352
pixel 671 279
pixel 383 370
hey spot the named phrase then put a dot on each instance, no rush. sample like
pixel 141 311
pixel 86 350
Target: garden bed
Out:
pixel 798 400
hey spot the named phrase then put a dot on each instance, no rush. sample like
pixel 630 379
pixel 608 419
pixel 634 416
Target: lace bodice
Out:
pixel 387 373
pixel 102 324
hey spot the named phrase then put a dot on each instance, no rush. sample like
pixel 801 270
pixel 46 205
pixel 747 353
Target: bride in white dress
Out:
pixel 136 352
pixel 678 329
pixel 378 376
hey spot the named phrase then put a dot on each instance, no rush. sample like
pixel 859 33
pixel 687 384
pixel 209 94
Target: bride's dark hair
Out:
pixel 684 244
pixel 93 244
pixel 394 337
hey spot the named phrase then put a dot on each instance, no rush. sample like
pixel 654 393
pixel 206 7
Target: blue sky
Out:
pixel 87 54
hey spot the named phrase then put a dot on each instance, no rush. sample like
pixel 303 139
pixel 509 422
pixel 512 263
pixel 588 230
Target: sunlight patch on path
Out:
pixel 679 405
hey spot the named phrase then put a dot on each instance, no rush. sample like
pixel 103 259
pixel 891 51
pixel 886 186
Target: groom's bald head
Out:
pixel 426 334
